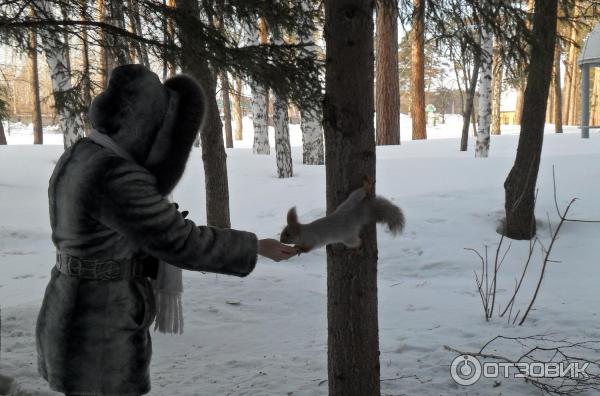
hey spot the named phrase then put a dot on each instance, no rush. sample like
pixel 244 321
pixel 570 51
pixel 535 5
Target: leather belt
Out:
pixel 107 269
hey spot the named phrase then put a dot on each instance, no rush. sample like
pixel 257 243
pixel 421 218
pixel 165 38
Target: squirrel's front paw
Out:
pixel 303 249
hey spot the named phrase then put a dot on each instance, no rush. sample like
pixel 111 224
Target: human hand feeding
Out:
pixel 275 250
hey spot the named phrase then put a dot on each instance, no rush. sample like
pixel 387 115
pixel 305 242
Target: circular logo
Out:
pixel 465 370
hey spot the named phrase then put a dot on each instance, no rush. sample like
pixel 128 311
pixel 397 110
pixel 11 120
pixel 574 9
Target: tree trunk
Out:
pixel 417 75
pixel 521 181
pixel 136 24
pixel 70 120
pixel 310 121
pixel 213 150
pixel 117 50
pixel 569 73
pixel 557 91
pixel 38 134
pixel 312 138
pixel 260 97
pixel 387 96
pixel 283 151
pixel 468 110
pixel 237 108
pixel 353 340
pixel 226 110
pixel 103 46
pixel 85 79
pixel 522 82
pixel 574 88
pixel 2 135
pixel 497 76
pixel 550 106
pixel 484 114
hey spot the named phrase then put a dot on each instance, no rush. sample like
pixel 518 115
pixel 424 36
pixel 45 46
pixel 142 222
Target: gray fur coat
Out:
pixel 92 335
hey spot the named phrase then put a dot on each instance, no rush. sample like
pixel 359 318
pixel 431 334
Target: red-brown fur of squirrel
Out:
pixel 345 223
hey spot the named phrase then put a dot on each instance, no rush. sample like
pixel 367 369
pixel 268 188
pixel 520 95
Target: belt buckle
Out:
pixel 74 266
pixel 110 270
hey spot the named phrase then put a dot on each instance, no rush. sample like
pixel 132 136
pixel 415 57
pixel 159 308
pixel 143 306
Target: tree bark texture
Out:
pixel 419 124
pixel 484 114
pixel 38 133
pixel 237 108
pixel 353 341
pixel 211 135
pixel 520 183
pixel 70 120
pixel 497 76
pixel 469 107
pixel 283 151
pixel 226 110
pixel 558 127
pixel 387 95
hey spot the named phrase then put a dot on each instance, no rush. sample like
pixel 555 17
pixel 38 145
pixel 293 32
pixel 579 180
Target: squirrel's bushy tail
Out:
pixel 386 212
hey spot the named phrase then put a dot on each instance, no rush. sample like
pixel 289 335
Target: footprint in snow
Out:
pixel 25 276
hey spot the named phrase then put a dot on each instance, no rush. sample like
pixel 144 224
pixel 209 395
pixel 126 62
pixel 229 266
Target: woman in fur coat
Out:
pixel 109 214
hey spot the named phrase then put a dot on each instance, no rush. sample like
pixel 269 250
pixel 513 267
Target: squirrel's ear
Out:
pixel 292 217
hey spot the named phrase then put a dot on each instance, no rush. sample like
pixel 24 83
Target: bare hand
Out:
pixel 275 250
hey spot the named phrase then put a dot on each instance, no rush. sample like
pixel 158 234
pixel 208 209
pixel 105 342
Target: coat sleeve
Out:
pixel 132 206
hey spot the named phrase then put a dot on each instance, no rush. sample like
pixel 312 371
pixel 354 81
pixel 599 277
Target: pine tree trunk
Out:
pixel 497 76
pixel 521 181
pixel 523 80
pixel 469 107
pixel 484 114
pixel 136 23
pixel 595 97
pixel 419 125
pixel 569 78
pixel 575 89
pixel 70 120
pixel 353 340
pixel 557 92
pixel 387 96
pixel 226 110
pixel 102 41
pixel 283 150
pixel 38 134
pixel 211 136
pixel 550 105
pixel 237 108
pixel 85 78
pixel 116 47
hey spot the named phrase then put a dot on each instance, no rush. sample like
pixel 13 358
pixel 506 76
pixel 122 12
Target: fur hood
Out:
pixel 155 123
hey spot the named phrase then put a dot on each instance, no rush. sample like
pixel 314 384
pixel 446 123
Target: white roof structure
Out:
pixel 590 52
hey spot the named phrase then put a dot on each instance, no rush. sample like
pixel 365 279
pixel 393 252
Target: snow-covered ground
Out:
pixel 274 341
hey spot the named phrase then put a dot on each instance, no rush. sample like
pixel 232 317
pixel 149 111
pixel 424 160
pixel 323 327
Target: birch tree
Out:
pixel 283 151
pixel 310 120
pixel 260 99
pixel 69 118
pixel 484 114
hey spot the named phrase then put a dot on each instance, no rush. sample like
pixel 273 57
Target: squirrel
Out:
pixel 344 224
